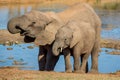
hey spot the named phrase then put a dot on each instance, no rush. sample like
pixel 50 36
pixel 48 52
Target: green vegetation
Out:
pixel 111 6
pixel 98 1
pixel 108 6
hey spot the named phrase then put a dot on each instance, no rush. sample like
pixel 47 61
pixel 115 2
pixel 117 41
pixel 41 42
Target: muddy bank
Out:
pixel 109 43
pixel 15 74
pixel 114 53
pixel 6 37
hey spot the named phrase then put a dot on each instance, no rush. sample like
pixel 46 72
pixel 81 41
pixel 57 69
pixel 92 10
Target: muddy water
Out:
pixel 24 56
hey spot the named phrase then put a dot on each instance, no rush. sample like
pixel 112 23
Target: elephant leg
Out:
pixel 51 60
pixel 94 68
pixel 86 67
pixel 68 67
pixel 76 56
pixel 84 63
pixel 94 57
pixel 42 58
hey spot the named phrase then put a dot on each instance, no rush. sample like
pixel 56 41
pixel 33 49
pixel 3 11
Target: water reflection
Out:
pixel 111 34
pixel 110 23
pixel 26 58
pixel 9 11
pixel 109 18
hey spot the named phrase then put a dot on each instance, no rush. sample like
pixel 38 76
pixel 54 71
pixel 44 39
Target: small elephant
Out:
pixel 80 38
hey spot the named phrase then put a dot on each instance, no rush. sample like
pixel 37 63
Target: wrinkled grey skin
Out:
pixel 35 21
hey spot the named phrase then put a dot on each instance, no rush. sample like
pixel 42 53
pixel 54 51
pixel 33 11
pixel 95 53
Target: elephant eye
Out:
pixel 65 40
pixel 32 24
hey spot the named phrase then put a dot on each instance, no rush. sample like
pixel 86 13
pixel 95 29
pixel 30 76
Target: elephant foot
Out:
pixel 41 68
pixel 79 71
pixel 93 71
pixel 68 71
pixel 49 69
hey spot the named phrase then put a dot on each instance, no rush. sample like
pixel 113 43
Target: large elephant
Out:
pixel 41 27
pixel 82 35
pixel 37 21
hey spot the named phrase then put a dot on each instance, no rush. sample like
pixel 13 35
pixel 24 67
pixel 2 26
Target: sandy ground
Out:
pixel 15 74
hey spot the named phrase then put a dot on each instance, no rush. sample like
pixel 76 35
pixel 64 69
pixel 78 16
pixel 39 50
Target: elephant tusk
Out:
pixel 60 49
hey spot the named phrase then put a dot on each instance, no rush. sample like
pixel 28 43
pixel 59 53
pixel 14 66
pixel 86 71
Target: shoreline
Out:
pixel 5 36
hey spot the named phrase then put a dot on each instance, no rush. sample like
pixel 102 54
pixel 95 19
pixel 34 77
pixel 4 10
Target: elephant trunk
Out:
pixel 13 25
pixel 56 49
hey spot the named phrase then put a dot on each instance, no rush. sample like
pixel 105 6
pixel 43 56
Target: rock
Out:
pixel 30 47
pixel 9 48
pixel 10 57
pixel 18 63
pixel 3 61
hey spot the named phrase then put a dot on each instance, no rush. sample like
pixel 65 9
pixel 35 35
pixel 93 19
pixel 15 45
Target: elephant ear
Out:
pixel 75 36
pixel 77 33
pixel 44 38
pixel 47 36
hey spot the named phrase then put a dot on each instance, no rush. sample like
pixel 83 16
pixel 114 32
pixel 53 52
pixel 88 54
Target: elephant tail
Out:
pixel 98 32
pixel 96 47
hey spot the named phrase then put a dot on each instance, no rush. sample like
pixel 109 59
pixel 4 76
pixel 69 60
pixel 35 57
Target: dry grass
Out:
pixel 15 74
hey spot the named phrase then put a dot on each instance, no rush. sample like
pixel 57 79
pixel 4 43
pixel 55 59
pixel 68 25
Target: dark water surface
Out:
pixel 24 58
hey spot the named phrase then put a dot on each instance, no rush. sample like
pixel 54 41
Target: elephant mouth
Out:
pixel 24 32
pixel 29 39
pixel 60 49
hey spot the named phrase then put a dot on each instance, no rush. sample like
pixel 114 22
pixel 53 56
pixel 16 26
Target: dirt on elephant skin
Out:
pixel 9 73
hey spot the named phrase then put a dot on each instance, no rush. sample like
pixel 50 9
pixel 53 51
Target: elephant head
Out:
pixel 35 25
pixel 67 36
